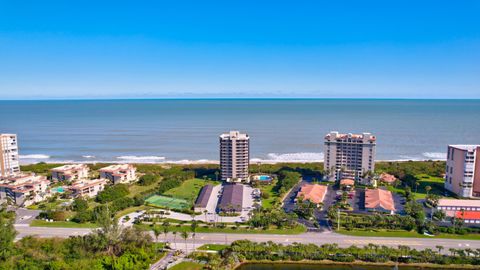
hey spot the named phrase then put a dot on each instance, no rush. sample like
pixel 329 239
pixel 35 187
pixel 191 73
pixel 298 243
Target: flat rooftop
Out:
pixel 69 167
pixel 234 135
pixel 116 168
pixel 467 147
pixel 458 203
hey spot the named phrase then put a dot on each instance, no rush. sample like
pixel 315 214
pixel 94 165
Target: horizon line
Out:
pixel 232 98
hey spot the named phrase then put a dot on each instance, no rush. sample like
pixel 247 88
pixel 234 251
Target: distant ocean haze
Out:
pixel 180 130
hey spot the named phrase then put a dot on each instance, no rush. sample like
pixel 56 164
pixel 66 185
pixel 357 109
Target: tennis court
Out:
pixel 168 202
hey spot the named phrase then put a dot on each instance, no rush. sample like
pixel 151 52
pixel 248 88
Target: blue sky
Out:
pixel 137 49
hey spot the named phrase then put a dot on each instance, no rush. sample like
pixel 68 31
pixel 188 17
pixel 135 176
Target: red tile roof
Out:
pixel 388 178
pixel 468 215
pixel 314 193
pixel 347 182
pixel 379 198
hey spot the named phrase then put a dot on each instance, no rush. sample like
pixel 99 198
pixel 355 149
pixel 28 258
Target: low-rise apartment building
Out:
pixel 9 159
pixel 314 193
pixel 232 198
pixel 379 200
pixel 24 189
pixel 87 188
pixel 462 174
pixel 203 199
pixel 119 173
pixel 70 172
pixel 450 206
pixel 349 156
pixel 468 210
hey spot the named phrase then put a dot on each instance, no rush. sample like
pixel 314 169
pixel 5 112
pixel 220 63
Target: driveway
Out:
pixel 289 201
pixel 25 216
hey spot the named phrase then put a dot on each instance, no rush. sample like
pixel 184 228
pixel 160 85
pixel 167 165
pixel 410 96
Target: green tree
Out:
pixel 156 231
pixel 184 235
pixel 109 232
pixel 427 189
pixel 7 234
pixel 80 204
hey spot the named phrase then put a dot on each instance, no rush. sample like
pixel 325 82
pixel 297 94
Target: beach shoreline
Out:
pixel 207 162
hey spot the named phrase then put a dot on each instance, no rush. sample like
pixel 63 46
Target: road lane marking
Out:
pixel 383 242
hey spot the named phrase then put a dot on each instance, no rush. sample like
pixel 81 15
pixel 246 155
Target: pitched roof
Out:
pixel 204 196
pixel 314 193
pixel 388 178
pixel 347 182
pixel 379 198
pixel 232 198
pixel 468 215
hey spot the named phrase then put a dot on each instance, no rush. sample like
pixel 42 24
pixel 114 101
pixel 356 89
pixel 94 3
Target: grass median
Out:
pixel 62 224
pixel 407 234
pixel 201 229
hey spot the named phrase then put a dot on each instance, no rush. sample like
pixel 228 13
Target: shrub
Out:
pixel 80 205
pixel 148 179
pixel 112 193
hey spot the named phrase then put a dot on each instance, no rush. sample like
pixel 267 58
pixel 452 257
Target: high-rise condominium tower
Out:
pixel 234 156
pixel 462 175
pixel 349 155
pixel 9 164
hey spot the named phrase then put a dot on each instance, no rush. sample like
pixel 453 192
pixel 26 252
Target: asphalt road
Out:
pixel 315 238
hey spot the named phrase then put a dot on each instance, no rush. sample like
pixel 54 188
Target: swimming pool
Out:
pixel 59 189
pixel 264 178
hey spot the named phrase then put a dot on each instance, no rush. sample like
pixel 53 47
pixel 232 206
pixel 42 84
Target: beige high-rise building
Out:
pixel 349 155
pixel 234 156
pixel 9 160
pixel 462 175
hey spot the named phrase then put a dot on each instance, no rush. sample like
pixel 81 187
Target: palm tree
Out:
pixel 166 229
pixel 174 239
pixel 427 189
pixel 193 227
pixel 205 213
pixel 156 232
pixel 184 235
pixel 216 175
pixel 440 248
pixel 416 186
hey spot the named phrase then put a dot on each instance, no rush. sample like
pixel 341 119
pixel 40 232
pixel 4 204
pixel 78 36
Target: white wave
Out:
pixel 188 161
pixel 291 157
pixel 435 155
pixel 87 156
pixel 35 156
pixel 145 159
pixel 408 158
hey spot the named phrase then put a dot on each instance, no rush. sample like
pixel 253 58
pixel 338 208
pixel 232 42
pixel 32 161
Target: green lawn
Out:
pixel 411 234
pixel 137 189
pixel 187 266
pixel 62 224
pixel 273 196
pixel 214 247
pixel 201 229
pixel 189 189
pixel 436 183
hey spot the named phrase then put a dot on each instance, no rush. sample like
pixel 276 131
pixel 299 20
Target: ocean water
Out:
pixel 179 130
